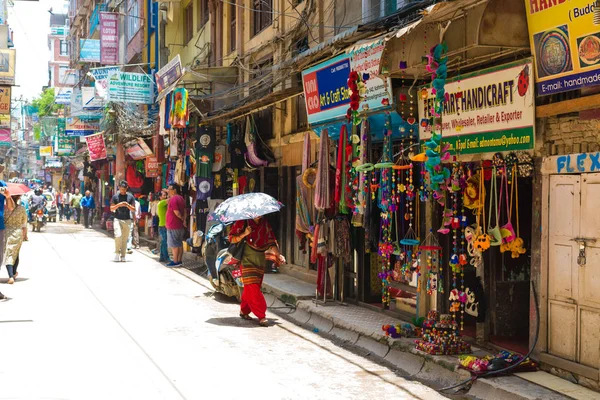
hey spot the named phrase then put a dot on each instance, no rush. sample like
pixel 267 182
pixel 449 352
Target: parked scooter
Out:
pixel 224 272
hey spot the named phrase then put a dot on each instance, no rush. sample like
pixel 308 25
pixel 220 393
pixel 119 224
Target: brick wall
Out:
pixel 568 134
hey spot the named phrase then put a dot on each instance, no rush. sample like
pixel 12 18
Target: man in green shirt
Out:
pixel 161 211
pixel 76 205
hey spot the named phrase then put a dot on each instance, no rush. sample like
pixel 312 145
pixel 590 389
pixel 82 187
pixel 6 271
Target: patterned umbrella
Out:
pixel 245 206
pixel 17 189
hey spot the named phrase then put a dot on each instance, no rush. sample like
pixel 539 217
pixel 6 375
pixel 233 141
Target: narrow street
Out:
pixel 80 326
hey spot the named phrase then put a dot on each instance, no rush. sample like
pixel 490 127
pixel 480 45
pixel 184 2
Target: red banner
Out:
pixel 96 146
pixel 152 167
pixel 109 38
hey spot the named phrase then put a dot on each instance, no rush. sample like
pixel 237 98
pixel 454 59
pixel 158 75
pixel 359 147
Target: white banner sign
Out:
pixel 89 99
pixel 101 76
pixel 485 111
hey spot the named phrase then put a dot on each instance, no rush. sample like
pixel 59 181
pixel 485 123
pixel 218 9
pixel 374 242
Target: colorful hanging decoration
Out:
pixel 441 336
pixel 435 153
pixel 433 257
pixel 357 91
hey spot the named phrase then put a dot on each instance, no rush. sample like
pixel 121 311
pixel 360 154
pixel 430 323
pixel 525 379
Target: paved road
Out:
pixel 80 326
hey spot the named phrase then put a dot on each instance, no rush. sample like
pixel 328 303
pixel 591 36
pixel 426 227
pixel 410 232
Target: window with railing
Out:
pixel 64 48
pixel 188 22
pixel 203 13
pixel 133 18
pixel 232 27
pixel 262 15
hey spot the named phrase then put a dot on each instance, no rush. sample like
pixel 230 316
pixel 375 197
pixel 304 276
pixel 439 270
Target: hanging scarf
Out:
pixel 340 166
pixel 322 188
pixel 179 117
pixel 306 153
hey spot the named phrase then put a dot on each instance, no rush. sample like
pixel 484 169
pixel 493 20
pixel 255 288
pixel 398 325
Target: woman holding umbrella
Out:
pixel 260 245
pixel 15 223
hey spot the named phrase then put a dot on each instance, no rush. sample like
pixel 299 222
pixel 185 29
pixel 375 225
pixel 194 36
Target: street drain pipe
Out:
pixel 511 367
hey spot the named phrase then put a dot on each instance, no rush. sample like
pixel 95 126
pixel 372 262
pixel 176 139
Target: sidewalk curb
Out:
pixel 435 371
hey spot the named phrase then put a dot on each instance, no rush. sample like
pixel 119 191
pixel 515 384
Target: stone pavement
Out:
pixel 360 328
pixel 80 326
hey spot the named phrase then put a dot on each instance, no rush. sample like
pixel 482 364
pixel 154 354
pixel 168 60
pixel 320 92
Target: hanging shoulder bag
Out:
pixel 236 250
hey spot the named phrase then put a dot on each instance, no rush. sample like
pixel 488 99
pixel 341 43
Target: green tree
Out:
pixel 45 103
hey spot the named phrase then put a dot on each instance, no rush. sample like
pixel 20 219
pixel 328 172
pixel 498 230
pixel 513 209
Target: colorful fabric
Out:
pixel 262 236
pixel 253 301
pixel 14 222
pixel 253 266
pixel 176 203
pixel 179 117
pixel 161 211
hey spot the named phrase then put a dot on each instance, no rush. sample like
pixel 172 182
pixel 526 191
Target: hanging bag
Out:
pixel 517 246
pixel 482 240
pixel 507 230
pixel 236 250
pixel 494 232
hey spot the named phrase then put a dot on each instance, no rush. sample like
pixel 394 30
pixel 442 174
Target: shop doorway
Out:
pixel 574 269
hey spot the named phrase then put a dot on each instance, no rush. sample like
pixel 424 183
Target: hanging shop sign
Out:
pixel 5 121
pixel 109 38
pixel 7 66
pixel 486 111
pixel 4 100
pixel 63 96
pixel 89 101
pixel 5 138
pixel 101 76
pixel 96 146
pixel 46 151
pixel 566 44
pixel 65 145
pixel 152 167
pixel 326 84
pixel 167 76
pixel 53 162
pixel 76 127
pixel 572 163
pixel 129 87
pixel 89 50
pixel 135 152
pixel 59 30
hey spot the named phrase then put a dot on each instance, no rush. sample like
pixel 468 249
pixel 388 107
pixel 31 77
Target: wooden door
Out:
pixel 574 289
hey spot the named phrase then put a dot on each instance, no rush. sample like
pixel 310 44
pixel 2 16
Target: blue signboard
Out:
pixel 89 50
pixel 326 85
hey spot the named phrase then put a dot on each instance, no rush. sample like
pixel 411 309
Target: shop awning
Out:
pixel 474 30
pixel 250 106
pixel 199 75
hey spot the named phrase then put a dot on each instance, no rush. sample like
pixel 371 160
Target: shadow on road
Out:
pixel 238 322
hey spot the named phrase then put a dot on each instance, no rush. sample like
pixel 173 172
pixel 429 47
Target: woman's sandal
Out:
pixel 245 316
pixel 263 322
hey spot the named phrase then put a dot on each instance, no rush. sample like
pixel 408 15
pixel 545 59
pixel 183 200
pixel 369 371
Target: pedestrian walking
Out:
pixel 88 206
pixel 153 199
pixel 259 240
pixel 5 200
pixel 175 223
pixel 25 205
pixel 134 236
pixel 76 205
pixel 161 212
pixel 122 205
pixel 66 201
pixel 60 205
pixel 15 224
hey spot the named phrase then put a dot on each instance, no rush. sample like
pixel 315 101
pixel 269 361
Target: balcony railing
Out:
pixel 95 18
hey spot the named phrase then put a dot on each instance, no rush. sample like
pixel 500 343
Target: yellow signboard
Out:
pixel 46 151
pixel 5 100
pixel 566 44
